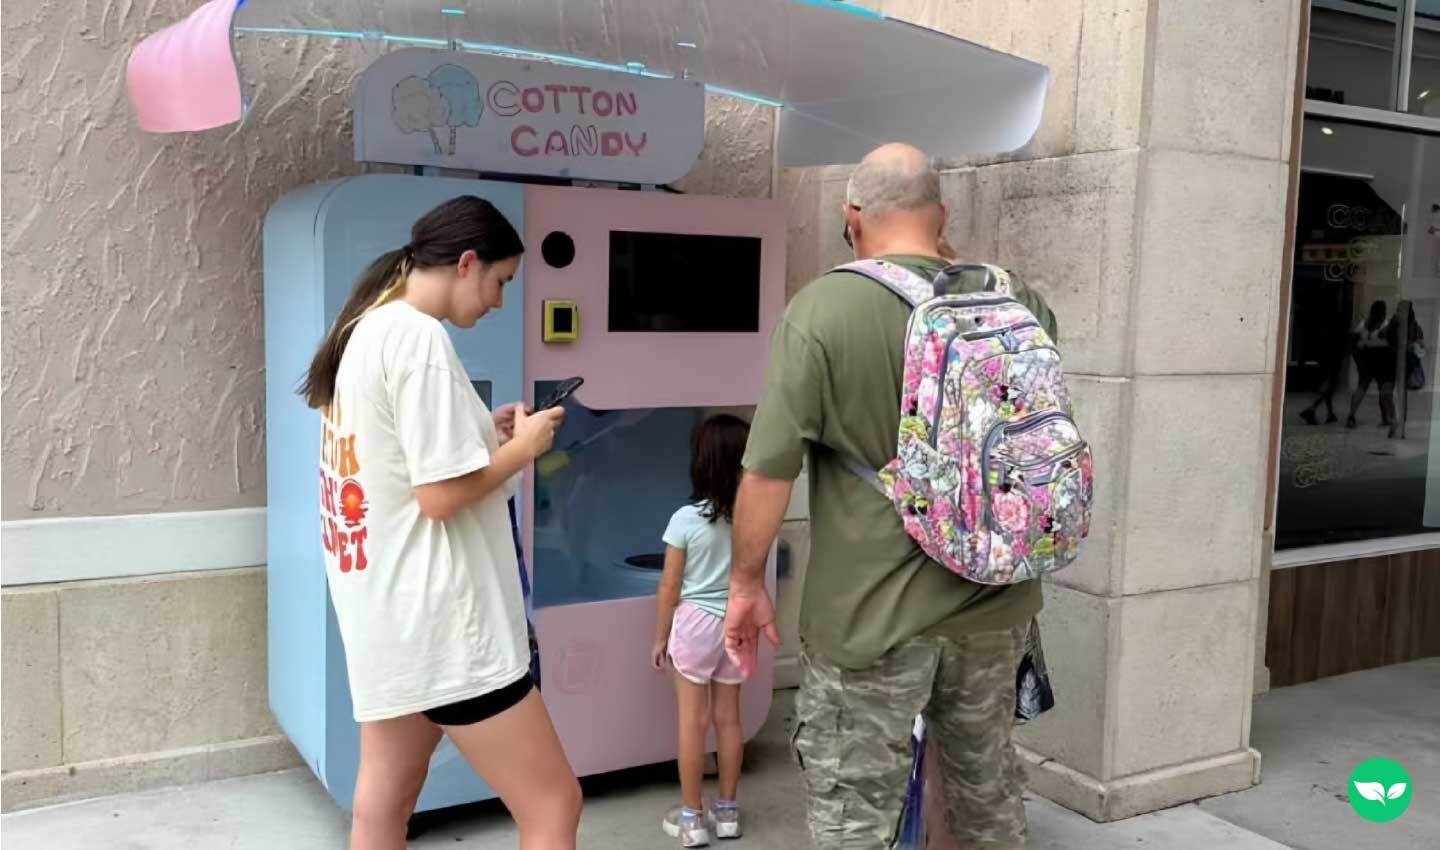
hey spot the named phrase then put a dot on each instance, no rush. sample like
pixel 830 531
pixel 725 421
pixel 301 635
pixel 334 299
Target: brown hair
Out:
pixel 439 238
pixel 716 449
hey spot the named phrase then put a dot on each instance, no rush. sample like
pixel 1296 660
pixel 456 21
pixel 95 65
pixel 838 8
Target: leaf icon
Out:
pixel 1373 791
pixel 1396 791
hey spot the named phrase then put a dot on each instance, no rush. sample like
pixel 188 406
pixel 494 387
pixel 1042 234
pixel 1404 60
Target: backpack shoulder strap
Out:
pixel 912 288
pixel 862 471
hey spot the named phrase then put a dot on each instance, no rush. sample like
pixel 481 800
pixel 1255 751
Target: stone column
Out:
pixel 1149 210
pixel 1155 631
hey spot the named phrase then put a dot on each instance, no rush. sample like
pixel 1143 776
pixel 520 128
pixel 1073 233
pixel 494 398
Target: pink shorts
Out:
pixel 697 647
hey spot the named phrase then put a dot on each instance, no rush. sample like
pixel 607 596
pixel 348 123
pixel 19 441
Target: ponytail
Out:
pixel 382 282
pixel 440 238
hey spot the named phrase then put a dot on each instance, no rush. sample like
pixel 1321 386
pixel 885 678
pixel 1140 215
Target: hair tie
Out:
pixel 408 250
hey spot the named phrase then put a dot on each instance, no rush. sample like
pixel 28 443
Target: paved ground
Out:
pixel 1311 737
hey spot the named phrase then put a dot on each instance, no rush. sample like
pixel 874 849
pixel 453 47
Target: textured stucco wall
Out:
pixel 132 334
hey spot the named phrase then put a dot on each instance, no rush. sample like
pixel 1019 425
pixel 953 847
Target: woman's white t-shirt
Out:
pixel 430 613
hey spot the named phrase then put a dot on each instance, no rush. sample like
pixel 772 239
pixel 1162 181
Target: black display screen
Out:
pixel 683 283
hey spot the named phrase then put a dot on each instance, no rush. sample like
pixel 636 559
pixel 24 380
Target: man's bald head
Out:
pixel 894 177
pixel 892 204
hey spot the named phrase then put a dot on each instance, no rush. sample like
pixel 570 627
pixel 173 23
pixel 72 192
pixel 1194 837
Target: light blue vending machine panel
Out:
pixel 317 241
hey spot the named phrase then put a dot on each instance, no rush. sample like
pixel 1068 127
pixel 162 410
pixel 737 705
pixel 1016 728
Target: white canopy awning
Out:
pixel 845 79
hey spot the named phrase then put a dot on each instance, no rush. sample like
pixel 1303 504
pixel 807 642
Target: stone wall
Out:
pixel 133 350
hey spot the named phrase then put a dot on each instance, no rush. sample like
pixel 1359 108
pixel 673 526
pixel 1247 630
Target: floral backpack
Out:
pixel 991 475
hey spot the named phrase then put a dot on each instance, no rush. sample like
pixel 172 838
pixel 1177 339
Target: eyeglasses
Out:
pixel 845 227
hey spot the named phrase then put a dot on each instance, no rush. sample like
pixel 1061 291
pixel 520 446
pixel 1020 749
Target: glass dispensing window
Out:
pixel 1358 452
pixel 603 497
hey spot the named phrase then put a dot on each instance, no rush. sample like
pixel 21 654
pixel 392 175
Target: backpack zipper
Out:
pixel 1000 429
pixel 1052 459
pixel 940 391
pixel 1008 329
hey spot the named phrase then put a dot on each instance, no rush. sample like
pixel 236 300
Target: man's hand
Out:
pixel 749 614
pixel 759 512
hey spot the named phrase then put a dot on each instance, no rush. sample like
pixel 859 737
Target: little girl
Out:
pixel 690 631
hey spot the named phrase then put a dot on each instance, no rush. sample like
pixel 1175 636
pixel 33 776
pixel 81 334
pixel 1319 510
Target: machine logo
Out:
pixel 442 108
pixel 581 664
pixel 449 98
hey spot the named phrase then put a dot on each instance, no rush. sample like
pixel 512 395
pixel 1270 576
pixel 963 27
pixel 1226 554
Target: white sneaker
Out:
pixel 693 830
pixel 726 821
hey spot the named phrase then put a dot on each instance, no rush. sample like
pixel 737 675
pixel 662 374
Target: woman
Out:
pixel 1375 360
pixel 420 559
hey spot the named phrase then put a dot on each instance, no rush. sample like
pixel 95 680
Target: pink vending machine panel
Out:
pixel 676 298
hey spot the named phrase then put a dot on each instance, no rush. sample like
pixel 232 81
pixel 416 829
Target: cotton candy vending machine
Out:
pixel 662 302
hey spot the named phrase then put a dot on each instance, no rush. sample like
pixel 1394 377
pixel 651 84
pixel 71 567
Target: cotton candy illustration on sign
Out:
pixel 461 93
pixel 416 108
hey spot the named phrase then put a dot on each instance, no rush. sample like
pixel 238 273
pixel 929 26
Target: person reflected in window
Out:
pixel 1333 368
pixel 1374 341
pixel 1414 354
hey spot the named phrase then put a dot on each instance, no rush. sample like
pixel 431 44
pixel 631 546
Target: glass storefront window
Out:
pixel 1356 450
pixel 1425 60
pixel 1352 52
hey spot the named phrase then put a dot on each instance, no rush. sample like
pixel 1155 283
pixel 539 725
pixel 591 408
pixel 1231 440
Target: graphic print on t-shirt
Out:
pixel 342 498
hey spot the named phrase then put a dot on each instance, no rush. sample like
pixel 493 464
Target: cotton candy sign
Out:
pixel 501 115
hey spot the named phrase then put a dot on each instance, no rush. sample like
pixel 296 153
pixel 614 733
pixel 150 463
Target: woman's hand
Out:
pixel 535 432
pixel 659 654
pixel 505 420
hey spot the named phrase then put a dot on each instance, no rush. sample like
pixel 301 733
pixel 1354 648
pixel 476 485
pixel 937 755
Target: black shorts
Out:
pixel 1376 364
pixel 483 707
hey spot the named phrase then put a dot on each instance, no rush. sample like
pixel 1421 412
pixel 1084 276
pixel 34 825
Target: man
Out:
pixel 887 633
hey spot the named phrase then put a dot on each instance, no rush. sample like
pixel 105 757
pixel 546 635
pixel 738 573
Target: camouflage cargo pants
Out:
pixel 852 740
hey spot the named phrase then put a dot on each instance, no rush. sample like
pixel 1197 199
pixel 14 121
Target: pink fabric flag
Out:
pixel 183 78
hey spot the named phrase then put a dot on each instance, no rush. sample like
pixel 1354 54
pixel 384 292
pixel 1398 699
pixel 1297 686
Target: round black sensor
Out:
pixel 558 249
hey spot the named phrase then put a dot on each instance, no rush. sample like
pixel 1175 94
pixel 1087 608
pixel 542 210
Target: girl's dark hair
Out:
pixel 439 238
pixel 1378 312
pixel 716 449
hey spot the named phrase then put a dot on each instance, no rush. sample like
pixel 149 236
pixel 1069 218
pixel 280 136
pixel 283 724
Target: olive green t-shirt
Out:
pixel 832 386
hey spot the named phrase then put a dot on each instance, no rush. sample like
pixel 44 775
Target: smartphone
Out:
pixel 562 391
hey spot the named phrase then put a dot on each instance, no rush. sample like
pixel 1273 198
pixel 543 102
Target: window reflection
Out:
pixel 1425 61
pixel 1352 52
pixel 1356 447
